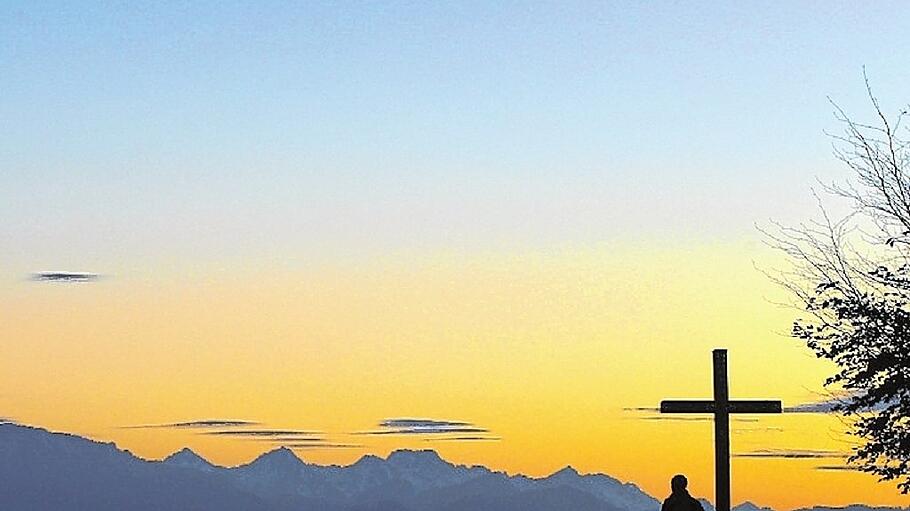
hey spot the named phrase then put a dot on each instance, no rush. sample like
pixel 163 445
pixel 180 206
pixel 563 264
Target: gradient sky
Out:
pixel 522 216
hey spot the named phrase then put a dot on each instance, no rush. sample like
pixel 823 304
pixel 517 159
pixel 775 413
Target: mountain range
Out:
pixel 41 470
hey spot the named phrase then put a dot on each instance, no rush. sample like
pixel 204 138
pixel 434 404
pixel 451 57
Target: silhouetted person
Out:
pixel 679 499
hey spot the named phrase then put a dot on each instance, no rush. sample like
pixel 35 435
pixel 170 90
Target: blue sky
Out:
pixel 318 130
pixel 320 215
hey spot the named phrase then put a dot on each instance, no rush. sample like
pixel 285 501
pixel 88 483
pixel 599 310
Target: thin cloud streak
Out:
pixel 840 468
pixel 791 454
pixel 651 409
pixel 420 423
pixel 279 439
pixel 264 433
pixel 677 419
pixel 318 445
pixel 63 276
pixel 829 405
pixel 425 431
pixel 464 439
pixel 200 424
pixel 422 426
pixel 824 406
pixel 769 429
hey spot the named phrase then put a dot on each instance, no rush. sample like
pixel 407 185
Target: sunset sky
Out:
pixel 525 219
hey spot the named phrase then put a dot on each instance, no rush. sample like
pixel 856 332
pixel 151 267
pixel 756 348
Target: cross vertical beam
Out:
pixel 721 432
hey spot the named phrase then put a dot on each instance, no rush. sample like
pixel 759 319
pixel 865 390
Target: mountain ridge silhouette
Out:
pixel 62 471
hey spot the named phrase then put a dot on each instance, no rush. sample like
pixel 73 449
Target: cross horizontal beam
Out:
pixel 687 406
pixel 739 406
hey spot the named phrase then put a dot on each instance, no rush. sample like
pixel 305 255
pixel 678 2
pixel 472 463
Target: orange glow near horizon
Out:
pixel 544 350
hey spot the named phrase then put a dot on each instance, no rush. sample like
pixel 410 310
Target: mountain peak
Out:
pixel 414 454
pixel 187 458
pixel 279 456
pixel 369 459
pixel 750 506
pixel 567 471
pixel 423 456
pixel 280 453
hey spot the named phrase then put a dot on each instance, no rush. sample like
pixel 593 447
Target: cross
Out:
pixel 721 407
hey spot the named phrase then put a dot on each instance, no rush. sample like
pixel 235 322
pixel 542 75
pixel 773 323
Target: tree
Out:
pixel 851 278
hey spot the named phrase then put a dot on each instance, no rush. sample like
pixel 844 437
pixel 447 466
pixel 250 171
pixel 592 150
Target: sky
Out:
pixel 524 217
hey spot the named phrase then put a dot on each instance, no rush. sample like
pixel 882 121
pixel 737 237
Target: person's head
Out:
pixel 679 483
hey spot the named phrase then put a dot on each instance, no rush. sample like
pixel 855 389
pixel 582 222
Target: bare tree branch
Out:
pixel 854 284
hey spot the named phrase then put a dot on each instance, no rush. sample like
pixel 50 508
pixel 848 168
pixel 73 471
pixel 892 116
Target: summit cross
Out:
pixel 721 407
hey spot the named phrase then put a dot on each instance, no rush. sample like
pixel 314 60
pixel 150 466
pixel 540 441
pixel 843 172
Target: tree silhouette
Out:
pixel 851 277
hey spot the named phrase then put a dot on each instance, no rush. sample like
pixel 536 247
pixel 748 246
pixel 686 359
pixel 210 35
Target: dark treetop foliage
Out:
pixel 852 278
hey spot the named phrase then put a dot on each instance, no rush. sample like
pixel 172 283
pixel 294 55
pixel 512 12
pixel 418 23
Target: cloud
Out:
pixel 265 433
pixel 792 454
pixel 321 445
pixel 651 409
pixel 846 468
pixel 237 429
pixel 300 440
pixel 200 424
pixel 829 404
pixel 464 439
pixel 823 406
pixel 677 418
pixel 410 426
pixel 420 423
pixel 284 438
pixel 426 431
pixel 63 276
pixel 769 429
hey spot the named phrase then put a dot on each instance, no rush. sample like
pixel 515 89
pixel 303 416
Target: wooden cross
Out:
pixel 721 407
